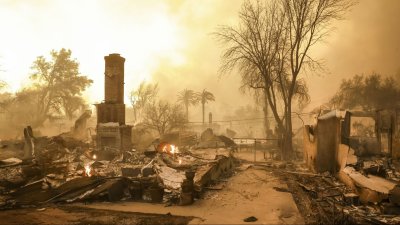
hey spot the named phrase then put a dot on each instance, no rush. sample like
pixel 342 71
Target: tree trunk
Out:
pixel 187 113
pixel 284 128
pixel 134 113
pixel 203 111
pixel 287 148
pixel 266 119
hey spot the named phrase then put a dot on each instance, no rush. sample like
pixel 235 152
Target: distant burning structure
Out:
pixel 112 132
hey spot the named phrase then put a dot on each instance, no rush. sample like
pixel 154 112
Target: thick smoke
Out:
pixel 366 41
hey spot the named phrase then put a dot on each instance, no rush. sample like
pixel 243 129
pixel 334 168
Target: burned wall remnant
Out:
pixel 112 132
pixel 360 149
pixel 366 134
pixel 388 131
pixel 322 141
pixel 310 146
pixel 80 130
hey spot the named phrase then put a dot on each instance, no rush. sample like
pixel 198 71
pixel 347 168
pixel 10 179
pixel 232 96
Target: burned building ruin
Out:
pixel 112 132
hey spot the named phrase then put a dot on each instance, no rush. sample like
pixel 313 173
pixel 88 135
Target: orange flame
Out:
pixel 174 149
pixel 88 170
pixel 169 148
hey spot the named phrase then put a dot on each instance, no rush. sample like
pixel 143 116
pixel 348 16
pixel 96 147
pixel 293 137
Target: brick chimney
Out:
pixel 114 78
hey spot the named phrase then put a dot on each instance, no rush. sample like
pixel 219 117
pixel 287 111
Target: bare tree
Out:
pixel 270 47
pixel 143 95
pixel 188 98
pixel 163 117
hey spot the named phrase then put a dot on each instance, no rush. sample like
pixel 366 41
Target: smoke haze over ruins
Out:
pixel 170 42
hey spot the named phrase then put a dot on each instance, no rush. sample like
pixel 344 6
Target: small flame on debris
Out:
pixel 180 161
pixel 94 156
pixel 88 170
pixel 170 149
pixel 174 149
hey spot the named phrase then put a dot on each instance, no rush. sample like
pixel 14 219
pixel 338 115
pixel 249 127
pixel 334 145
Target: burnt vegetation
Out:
pixel 367 92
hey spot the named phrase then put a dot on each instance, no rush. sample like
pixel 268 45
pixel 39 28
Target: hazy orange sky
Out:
pixel 169 42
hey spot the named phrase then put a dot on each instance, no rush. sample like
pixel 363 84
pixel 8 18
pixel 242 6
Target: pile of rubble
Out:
pixel 360 149
pixel 62 170
pixel 323 199
pixel 375 183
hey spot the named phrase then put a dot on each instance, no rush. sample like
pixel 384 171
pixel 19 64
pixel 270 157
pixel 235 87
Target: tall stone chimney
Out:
pixel 114 78
pixel 113 108
pixel 112 133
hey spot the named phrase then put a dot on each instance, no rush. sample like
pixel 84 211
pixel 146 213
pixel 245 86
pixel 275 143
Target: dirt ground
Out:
pixel 67 214
pixel 250 192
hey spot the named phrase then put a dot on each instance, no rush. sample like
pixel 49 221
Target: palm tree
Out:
pixel 188 98
pixel 204 97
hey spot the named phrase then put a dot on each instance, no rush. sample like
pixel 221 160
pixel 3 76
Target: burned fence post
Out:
pixel 255 149
pixel 264 150
pixel 29 147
